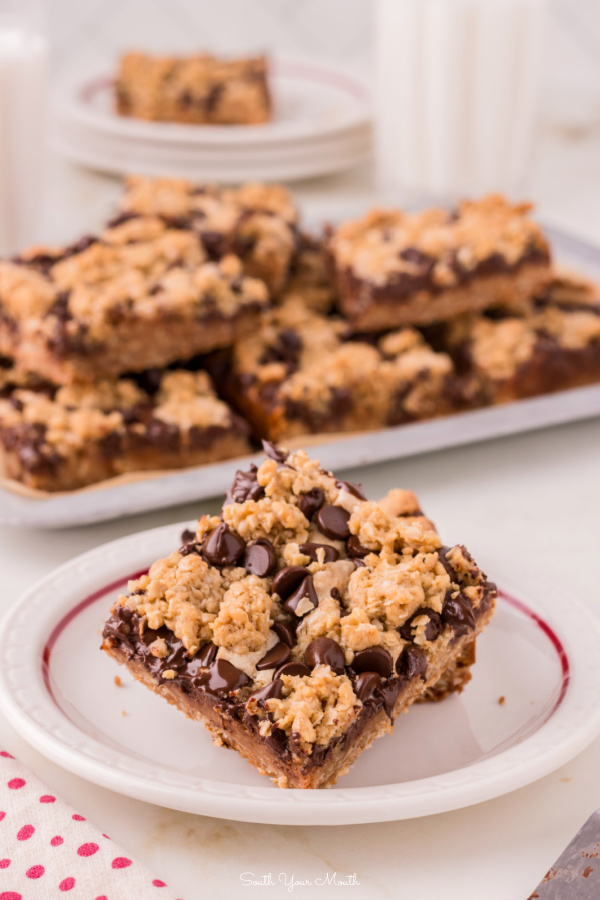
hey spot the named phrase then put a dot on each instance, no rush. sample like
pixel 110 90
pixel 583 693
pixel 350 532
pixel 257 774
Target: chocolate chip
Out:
pixel 442 558
pixel 287 580
pixel 206 655
pixel 188 536
pixel 275 657
pixel 245 487
pixel 311 502
pixel 411 663
pixel 310 550
pixel 457 613
pixel 292 668
pixel 358 563
pixel 333 522
pixel 325 651
pixel 285 631
pixel 366 684
pixel 221 678
pixel 273 690
pixel 188 543
pixel 417 258
pixel 259 558
pixel 304 599
pixel 274 452
pixel 214 243
pixel 354 489
pixel 373 659
pixel 355 549
pixel 222 547
pixel 432 629
pixel 389 694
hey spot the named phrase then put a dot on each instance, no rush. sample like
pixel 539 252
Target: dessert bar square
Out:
pixel 201 89
pixel 256 222
pixel 554 344
pixel 304 373
pixel 140 295
pixel 394 268
pixel 302 620
pixel 61 438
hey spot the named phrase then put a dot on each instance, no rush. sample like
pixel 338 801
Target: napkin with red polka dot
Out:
pixel 47 850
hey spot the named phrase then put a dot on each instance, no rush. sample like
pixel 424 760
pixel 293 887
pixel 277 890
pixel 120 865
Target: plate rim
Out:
pixel 554 743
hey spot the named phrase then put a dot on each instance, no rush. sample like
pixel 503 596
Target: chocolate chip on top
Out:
pixel 303 602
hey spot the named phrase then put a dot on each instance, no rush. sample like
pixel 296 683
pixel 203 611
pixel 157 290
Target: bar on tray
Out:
pixel 61 438
pixel 554 344
pixel 201 90
pixel 394 268
pixel 303 373
pixel 257 222
pixel 140 295
pixel 299 623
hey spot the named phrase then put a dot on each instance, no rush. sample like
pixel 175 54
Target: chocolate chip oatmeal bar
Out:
pixel 394 268
pixel 303 373
pixel 140 295
pixel 299 623
pixel 554 344
pixel 256 222
pixel 62 438
pixel 201 90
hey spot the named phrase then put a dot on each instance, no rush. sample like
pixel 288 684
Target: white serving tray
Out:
pixel 130 495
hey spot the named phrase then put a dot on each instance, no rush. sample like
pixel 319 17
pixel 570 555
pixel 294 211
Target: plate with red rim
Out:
pixel 533 703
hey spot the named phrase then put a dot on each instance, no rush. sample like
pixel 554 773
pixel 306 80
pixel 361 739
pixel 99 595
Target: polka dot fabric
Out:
pixel 49 851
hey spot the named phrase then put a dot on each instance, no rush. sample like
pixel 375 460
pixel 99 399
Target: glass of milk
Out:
pixel 456 94
pixel 22 82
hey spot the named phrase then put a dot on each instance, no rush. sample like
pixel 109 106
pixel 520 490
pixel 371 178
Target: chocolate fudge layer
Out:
pixel 201 90
pixel 303 373
pixel 140 295
pixel 310 282
pixel 256 222
pixel 554 344
pixel 394 268
pixel 62 438
pixel 303 619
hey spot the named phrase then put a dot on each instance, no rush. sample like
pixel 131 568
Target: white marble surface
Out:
pixel 527 506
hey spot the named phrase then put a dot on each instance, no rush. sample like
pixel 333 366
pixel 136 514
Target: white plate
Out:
pixel 115 499
pixel 58 690
pixel 321 124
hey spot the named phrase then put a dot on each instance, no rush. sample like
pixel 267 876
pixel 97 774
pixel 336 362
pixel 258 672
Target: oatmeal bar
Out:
pixel 257 222
pixel 553 345
pixel 140 295
pixel 300 622
pixel 201 90
pixel 395 268
pixel 62 438
pixel 303 373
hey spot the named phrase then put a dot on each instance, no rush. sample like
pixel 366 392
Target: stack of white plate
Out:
pixel 321 124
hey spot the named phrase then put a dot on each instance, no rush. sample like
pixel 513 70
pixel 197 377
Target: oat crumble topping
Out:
pixel 381 245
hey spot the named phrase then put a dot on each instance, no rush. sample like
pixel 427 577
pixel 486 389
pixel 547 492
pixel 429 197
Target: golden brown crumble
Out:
pixel 255 220
pixel 79 415
pixel 144 270
pixel 317 707
pixel 372 246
